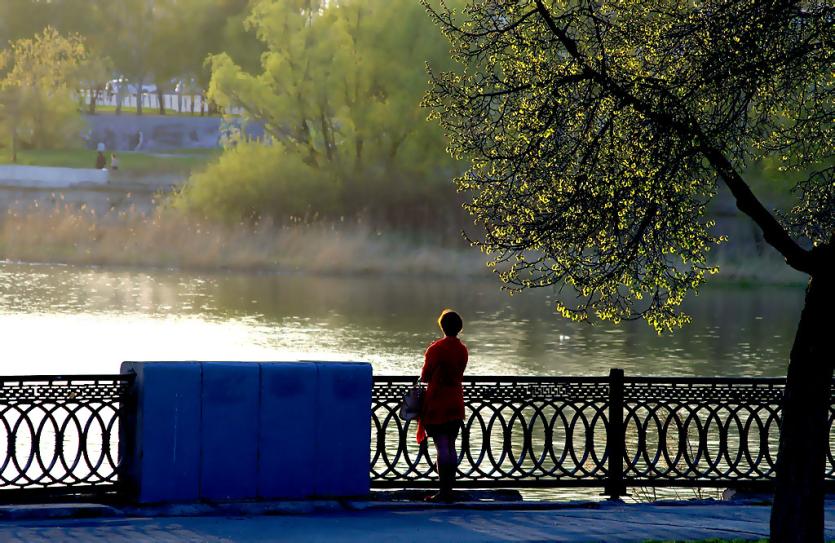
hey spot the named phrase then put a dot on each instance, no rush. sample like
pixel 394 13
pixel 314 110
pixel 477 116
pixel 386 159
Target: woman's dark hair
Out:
pixel 450 322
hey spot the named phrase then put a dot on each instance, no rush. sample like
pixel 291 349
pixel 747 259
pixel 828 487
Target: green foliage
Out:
pixel 250 178
pixel 22 19
pixel 142 40
pixel 338 93
pixel 596 133
pixel 37 76
pixel 181 34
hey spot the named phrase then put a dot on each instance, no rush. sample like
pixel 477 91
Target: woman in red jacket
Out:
pixel 443 404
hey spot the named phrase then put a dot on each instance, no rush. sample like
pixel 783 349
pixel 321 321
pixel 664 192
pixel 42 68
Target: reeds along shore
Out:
pixel 169 239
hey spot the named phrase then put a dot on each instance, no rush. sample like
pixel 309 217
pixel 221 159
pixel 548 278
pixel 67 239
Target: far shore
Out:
pixel 168 240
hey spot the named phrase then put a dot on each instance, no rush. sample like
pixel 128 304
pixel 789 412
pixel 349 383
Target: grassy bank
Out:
pixel 168 239
pixel 147 111
pixel 181 161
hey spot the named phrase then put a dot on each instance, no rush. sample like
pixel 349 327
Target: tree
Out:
pixel 37 76
pixel 220 27
pixel 22 19
pixel 9 108
pixel 170 46
pixel 214 27
pixel 338 90
pixel 142 40
pixel 597 134
pixel 237 38
pixel 88 19
pixel 130 27
pixel 93 74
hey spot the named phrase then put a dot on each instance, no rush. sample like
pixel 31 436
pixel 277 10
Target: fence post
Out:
pixel 615 437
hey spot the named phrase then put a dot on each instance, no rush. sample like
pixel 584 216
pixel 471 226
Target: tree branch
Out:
pixel 773 232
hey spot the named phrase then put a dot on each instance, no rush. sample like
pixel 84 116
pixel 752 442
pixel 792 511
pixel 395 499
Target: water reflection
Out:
pixel 58 319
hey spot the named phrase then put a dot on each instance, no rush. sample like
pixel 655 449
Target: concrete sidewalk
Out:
pixel 374 521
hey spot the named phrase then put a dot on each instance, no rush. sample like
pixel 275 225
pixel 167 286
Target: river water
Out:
pixel 67 320
pixel 58 319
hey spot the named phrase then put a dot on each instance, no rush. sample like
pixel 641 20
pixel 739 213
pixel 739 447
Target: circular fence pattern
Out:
pixel 556 431
pixel 60 432
pixel 711 432
pixel 517 432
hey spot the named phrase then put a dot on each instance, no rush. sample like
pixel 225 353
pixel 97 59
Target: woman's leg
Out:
pixel 453 450
pixel 442 463
pixel 452 454
pixel 447 460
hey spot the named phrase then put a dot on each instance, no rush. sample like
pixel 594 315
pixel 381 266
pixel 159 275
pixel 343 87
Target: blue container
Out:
pixel 287 419
pixel 162 461
pixel 230 399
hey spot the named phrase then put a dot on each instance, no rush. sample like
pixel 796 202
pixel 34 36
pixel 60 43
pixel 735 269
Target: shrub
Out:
pixel 254 181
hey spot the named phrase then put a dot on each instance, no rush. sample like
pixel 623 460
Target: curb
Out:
pixel 306 507
pixel 57 511
pixel 470 505
pixel 234 509
pixel 253 509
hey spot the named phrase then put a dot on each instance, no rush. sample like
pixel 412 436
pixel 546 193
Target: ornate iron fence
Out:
pixel 61 434
pixel 614 432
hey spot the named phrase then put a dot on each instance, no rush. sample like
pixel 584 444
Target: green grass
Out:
pixel 175 161
pixel 131 110
pixel 192 152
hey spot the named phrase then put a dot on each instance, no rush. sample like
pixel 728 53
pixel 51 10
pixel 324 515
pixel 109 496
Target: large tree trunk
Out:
pixel 797 514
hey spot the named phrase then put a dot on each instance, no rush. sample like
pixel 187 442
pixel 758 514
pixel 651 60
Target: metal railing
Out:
pixel 61 435
pixel 612 433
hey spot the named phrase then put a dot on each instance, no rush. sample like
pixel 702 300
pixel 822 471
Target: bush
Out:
pixel 252 181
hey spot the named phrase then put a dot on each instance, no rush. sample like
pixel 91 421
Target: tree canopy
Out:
pixel 337 93
pixel 37 77
pixel 597 133
pixel 143 41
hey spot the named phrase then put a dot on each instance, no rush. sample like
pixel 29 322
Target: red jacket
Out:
pixel 443 371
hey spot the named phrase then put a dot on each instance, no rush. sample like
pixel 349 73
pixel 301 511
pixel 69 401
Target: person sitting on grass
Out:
pixel 442 411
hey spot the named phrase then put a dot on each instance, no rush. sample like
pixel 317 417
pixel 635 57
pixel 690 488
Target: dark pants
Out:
pixel 444 436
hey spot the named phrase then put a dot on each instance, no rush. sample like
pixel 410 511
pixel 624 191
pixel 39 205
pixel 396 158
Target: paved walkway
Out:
pixel 608 523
